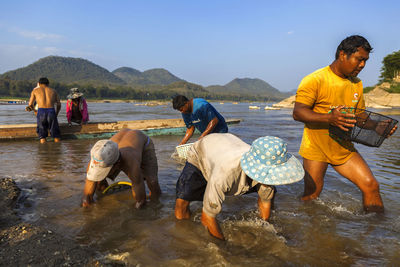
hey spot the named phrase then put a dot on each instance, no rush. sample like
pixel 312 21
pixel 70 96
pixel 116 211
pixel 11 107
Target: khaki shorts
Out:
pixel 149 164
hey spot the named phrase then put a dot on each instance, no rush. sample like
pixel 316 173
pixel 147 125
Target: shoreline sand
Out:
pixel 25 244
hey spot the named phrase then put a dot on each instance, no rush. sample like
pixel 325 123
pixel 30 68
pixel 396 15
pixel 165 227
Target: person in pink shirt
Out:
pixel 77 110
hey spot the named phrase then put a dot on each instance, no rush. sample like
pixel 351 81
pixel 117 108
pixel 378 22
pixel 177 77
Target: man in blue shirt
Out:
pixel 198 113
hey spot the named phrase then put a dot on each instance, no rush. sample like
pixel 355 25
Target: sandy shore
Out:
pixel 377 98
pixel 24 244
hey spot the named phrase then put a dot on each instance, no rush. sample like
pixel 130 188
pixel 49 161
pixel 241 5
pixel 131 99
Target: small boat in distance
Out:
pixel 271 108
pixel 254 107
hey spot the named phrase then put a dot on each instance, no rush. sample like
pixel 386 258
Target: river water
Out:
pixel 332 230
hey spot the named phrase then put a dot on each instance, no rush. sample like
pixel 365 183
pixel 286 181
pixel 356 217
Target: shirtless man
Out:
pixel 46 98
pixel 130 151
pixel 319 100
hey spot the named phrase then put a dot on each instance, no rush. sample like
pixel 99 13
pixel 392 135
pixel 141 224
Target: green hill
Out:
pixel 247 86
pixel 149 77
pixel 97 82
pixel 65 70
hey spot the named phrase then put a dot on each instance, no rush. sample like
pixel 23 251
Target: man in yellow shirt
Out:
pixel 320 98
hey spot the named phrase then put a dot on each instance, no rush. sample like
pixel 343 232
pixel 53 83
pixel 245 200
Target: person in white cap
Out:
pixel 220 165
pixel 130 151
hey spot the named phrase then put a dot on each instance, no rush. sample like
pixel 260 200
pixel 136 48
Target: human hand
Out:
pixel 28 108
pixel 393 130
pixel 140 204
pixel 341 119
pixel 381 127
pixel 85 202
pixel 212 226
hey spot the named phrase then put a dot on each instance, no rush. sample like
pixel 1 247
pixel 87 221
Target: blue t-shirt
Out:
pixel 203 112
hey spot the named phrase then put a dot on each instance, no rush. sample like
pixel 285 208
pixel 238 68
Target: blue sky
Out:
pixel 205 42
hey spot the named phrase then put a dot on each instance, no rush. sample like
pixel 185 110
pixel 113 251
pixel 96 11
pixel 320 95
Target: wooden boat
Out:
pixel 100 129
pixel 13 102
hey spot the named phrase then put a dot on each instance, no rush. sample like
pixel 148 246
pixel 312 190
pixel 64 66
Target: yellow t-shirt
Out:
pixel 323 90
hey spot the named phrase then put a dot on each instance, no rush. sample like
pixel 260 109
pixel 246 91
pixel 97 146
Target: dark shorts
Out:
pixel 191 184
pixel 47 121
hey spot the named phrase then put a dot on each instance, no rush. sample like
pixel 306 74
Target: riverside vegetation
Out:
pixel 125 83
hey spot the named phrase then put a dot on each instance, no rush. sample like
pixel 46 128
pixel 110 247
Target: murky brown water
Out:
pixel 332 230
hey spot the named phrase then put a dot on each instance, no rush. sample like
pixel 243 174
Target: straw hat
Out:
pixel 74 93
pixel 268 162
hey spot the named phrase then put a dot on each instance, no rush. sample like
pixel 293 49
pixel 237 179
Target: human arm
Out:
pixel 188 134
pixel 138 189
pixel 266 194
pixel 365 122
pixel 88 192
pixel 212 205
pixel 305 114
pixel 264 207
pixel 32 99
pixel 210 127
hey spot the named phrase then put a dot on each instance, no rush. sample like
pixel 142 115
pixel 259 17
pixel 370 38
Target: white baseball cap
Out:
pixel 102 157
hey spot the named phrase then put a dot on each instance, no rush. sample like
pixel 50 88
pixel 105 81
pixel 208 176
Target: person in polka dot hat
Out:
pixel 221 165
pixel 268 162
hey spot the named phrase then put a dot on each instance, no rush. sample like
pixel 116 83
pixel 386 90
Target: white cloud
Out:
pixel 290 32
pixel 37 35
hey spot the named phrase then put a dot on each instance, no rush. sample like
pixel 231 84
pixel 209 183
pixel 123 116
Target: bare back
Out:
pixel 131 143
pixel 45 97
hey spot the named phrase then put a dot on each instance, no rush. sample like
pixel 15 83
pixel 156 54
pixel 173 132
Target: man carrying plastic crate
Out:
pixel 321 98
pixel 198 114
pixel 221 165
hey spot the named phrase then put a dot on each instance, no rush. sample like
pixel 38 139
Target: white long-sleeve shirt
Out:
pixel 217 156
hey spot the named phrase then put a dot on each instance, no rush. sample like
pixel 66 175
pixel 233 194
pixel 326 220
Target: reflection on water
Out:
pixel 330 230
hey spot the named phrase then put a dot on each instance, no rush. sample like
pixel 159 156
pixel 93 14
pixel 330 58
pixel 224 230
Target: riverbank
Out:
pixel 24 244
pixel 377 98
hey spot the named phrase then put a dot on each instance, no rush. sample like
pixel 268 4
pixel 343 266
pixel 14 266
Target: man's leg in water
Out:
pixel 358 172
pixel 313 178
pixel 182 209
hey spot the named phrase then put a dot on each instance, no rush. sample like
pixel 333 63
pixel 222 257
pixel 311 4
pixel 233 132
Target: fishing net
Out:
pixel 371 128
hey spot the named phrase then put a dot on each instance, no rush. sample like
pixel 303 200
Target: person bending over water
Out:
pixel 46 98
pixel 198 113
pixel 130 151
pixel 320 97
pixel 221 165
pixel 76 108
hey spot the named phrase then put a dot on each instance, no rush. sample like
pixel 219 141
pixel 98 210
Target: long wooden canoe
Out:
pixel 100 129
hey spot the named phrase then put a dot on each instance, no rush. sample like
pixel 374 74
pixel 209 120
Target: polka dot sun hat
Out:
pixel 268 162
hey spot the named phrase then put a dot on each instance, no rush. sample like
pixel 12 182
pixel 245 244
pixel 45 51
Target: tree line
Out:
pixel 23 89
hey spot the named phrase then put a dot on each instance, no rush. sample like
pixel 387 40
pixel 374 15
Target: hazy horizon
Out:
pixel 207 43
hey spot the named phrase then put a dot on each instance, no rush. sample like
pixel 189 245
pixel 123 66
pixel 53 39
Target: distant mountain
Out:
pixel 247 86
pixel 64 69
pixel 127 82
pixel 153 76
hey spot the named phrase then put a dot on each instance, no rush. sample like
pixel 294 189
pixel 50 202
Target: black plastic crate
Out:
pixel 370 130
